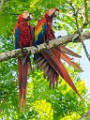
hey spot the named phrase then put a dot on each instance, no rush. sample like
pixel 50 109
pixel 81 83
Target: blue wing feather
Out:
pixel 44 28
pixel 40 37
pixel 17 33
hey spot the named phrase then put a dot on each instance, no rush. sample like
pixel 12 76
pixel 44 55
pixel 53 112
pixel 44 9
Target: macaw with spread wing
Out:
pixel 23 34
pixel 50 60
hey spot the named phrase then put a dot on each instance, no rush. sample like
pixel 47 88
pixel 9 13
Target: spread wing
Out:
pixel 40 30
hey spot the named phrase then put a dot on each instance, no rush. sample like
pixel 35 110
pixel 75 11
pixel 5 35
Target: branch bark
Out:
pixel 31 50
pixel 86 116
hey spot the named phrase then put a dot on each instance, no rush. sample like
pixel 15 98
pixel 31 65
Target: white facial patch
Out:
pixel 26 14
pixel 56 13
pixel 51 11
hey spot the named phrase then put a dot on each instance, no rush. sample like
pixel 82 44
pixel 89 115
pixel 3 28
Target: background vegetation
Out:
pixel 60 103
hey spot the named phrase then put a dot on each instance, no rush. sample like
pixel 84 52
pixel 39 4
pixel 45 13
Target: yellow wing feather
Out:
pixel 39 27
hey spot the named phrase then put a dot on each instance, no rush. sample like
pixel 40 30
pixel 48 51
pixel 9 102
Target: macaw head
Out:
pixel 53 12
pixel 25 16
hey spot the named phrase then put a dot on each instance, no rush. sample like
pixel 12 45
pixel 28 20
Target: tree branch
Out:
pixel 85 116
pixel 31 50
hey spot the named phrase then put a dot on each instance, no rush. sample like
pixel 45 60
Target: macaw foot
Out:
pixel 35 45
pixel 47 42
pixel 59 36
pixel 24 50
pixel 75 38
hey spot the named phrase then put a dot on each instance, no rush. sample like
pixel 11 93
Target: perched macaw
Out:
pixel 23 34
pixel 50 60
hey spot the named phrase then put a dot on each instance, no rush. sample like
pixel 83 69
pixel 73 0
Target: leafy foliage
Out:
pixel 60 103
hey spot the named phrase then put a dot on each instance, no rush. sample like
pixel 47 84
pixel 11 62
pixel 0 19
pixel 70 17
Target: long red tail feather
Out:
pixel 22 77
pixel 50 62
pixel 66 58
pixel 57 65
pixel 68 51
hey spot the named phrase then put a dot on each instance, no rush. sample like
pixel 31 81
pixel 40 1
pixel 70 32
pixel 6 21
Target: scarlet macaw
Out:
pixel 23 33
pixel 50 60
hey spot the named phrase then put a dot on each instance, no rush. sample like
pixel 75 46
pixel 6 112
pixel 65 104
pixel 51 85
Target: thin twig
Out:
pixel 86 21
pixel 79 30
pixel 86 11
pixel 85 24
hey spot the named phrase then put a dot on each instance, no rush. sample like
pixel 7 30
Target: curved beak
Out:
pixel 31 17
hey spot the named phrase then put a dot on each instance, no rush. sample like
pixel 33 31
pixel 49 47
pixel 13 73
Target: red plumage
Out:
pixel 23 38
pixel 50 60
pixel 25 35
